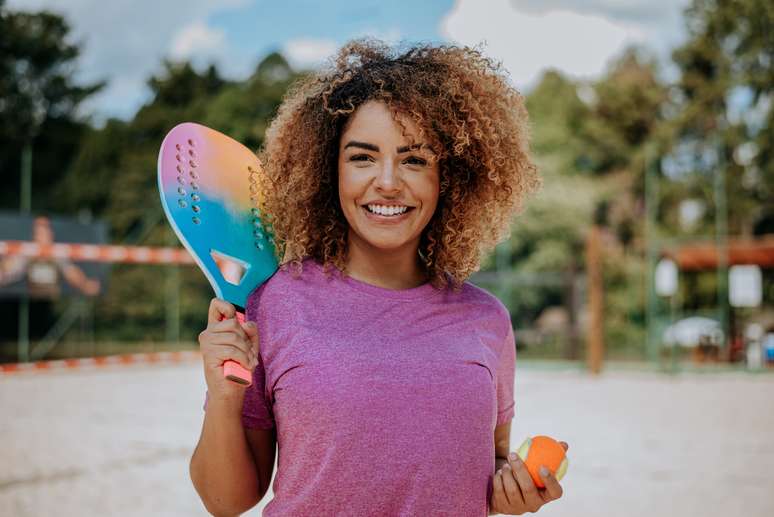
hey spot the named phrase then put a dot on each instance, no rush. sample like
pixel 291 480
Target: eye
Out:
pixel 415 160
pixel 359 158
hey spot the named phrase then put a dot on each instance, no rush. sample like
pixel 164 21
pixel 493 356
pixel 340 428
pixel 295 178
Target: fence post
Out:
pixel 595 337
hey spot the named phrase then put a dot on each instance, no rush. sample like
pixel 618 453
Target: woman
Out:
pixel 383 376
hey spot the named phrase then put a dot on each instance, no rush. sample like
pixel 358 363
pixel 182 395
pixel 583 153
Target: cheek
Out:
pixel 349 190
pixel 345 186
pixel 431 191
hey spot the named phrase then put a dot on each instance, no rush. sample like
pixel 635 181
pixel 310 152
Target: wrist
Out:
pixel 226 405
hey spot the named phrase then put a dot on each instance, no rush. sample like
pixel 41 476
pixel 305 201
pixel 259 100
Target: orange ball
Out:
pixel 543 450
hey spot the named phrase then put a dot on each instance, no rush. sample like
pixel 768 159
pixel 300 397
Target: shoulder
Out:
pixel 485 301
pixel 285 284
pixel 490 311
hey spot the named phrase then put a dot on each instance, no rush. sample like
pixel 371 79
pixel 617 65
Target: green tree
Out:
pixel 243 110
pixel 121 158
pixel 626 107
pixel 39 101
pixel 588 141
pixel 726 115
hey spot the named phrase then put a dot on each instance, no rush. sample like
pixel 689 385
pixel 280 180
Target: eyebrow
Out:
pixel 375 148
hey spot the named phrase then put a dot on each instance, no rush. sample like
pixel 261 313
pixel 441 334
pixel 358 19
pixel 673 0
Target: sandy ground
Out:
pixel 117 442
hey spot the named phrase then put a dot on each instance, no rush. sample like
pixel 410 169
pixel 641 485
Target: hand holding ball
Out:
pixel 543 450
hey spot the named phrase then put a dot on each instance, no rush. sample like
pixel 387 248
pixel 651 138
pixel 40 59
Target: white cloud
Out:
pixel 661 21
pixel 124 42
pixel 638 11
pixel 577 37
pixel 308 52
pixel 195 39
pixel 528 43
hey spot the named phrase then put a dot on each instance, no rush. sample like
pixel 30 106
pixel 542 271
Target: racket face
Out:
pixel 206 180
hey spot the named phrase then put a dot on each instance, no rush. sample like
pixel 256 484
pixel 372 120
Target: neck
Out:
pixel 399 269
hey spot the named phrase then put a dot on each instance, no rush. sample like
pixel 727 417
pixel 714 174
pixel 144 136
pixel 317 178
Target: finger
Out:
pixel 512 490
pixel 229 325
pixel 218 339
pixel 532 501
pixel 234 354
pixel 498 492
pixel 251 329
pixel 220 309
pixel 553 489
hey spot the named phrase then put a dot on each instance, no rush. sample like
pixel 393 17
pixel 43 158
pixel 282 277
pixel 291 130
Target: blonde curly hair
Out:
pixel 475 123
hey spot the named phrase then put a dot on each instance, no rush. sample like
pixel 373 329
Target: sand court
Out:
pixel 116 441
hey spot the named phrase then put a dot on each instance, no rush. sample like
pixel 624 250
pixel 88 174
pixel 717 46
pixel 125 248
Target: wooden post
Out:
pixel 595 335
pixel 572 346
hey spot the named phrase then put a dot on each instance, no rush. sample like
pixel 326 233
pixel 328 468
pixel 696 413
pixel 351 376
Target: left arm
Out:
pixel 513 490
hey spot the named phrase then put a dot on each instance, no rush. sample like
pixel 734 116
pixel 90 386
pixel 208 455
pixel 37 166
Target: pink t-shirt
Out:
pixel 385 401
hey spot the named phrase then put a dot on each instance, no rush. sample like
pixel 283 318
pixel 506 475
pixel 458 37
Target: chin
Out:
pixel 385 245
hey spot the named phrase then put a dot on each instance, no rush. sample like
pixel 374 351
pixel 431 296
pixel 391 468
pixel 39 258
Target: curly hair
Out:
pixel 475 123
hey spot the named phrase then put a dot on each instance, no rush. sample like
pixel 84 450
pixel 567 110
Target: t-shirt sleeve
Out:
pixel 506 371
pixel 256 411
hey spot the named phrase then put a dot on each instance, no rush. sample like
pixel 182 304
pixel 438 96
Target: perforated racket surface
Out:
pixel 207 183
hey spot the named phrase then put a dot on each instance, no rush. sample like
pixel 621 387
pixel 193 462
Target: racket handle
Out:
pixel 234 371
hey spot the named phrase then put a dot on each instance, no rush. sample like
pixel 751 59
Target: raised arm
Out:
pixel 231 466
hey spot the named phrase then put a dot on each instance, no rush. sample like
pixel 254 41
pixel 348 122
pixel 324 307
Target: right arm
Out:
pixel 231 466
pixel 222 468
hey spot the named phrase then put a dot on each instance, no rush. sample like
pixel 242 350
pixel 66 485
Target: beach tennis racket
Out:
pixel 207 183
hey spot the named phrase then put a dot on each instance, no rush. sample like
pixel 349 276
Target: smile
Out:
pixel 387 210
pixel 387 213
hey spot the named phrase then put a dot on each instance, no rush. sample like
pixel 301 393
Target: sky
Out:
pixel 124 42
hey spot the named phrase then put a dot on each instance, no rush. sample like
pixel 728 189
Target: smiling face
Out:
pixel 388 191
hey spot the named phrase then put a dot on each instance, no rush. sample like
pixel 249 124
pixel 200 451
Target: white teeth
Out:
pixel 387 210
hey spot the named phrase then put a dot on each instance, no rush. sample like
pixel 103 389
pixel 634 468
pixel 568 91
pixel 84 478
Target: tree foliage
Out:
pixel 122 158
pixel 726 116
pixel 39 101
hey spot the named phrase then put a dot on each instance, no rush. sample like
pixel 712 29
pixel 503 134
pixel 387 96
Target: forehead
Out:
pixel 375 119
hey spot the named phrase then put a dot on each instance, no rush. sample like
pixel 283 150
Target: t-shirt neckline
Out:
pixel 419 292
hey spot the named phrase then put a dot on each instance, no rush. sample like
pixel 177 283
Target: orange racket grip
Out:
pixel 234 371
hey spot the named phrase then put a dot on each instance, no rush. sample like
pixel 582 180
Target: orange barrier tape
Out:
pixel 97 252
pixel 103 361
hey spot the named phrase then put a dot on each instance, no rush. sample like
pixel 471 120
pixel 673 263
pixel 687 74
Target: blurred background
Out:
pixel 640 280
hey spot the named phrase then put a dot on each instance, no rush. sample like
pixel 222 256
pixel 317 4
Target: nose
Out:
pixel 387 178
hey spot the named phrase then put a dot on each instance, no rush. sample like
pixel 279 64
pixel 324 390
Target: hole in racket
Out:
pixel 231 268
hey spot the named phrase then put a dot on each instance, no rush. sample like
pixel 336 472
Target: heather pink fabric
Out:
pixel 385 401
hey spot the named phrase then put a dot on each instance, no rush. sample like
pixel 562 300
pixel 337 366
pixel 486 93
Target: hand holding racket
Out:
pixel 209 191
pixel 226 339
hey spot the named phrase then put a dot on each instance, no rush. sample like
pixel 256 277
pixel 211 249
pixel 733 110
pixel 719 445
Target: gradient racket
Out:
pixel 207 183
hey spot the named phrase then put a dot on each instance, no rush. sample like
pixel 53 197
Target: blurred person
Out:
pixel 42 272
pixel 384 377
